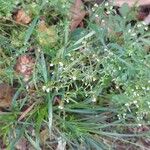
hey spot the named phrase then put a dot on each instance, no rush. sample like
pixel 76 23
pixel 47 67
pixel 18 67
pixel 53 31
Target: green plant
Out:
pixel 88 90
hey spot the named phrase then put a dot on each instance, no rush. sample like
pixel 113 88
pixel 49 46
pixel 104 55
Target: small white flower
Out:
pixel 127 104
pixel 93 9
pixel 51 65
pixel 94 79
pixel 47 90
pixel 143 88
pixel 69 54
pixel 111 7
pixel 107 12
pixel 94 99
pixel 97 60
pixel 124 115
pixel 144 23
pixel 44 88
pixel 95 5
pixel 148 89
pixel 106 4
pixel 118 116
pixel 134 93
pixel 149 81
pixel 74 78
pixel 129 31
pixel 139 125
pixel 139 25
pixel 72 59
pixel 96 16
pixel 61 64
pixel 60 107
pixel 103 21
pixel 146 28
pixel 117 87
pixel 133 34
pixel 67 100
pixel 135 102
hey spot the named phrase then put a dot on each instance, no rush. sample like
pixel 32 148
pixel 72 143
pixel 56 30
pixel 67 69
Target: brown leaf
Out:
pixel 6 93
pixel 131 3
pixel 47 35
pixel 77 14
pixel 21 17
pixel 147 20
pixel 44 135
pixel 24 114
pixel 22 144
pixel 24 66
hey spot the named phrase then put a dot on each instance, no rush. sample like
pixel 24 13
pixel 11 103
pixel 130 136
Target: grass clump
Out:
pixel 88 89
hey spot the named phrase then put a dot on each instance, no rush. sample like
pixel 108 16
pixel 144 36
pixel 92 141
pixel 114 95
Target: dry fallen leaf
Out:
pixel 147 19
pixel 131 3
pixel 77 14
pixel 44 135
pixel 24 66
pixel 21 17
pixel 140 3
pixel 6 93
pixel 61 144
pixel 47 36
pixel 24 114
pixel 21 144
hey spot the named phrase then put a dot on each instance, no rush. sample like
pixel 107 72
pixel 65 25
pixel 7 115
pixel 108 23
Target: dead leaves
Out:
pixel 22 17
pixel 6 94
pixel 47 36
pixel 77 14
pixel 24 66
pixel 131 3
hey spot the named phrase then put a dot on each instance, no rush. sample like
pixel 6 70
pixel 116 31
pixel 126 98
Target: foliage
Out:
pixel 88 88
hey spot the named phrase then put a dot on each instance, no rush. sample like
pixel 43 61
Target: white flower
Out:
pixel 51 65
pixel 127 105
pixel 107 12
pixel 139 125
pixel 67 100
pixel 74 78
pixel 96 16
pixel 133 34
pixel 148 89
pixel 106 4
pixel 95 5
pixel 146 28
pixel 93 9
pixel 94 99
pixel 61 64
pixel 144 23
pixel 94 79
pixel 69 54
pixel 47 90
pixel 129 31
pixel 103 21
pixel 60 107
pixel 139 25
pixel 72 59
pixel 111 7
pixel 135 102
pixel 117 87
pixel 44 88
